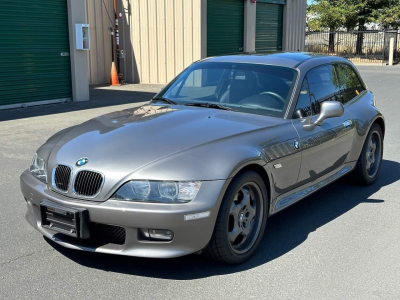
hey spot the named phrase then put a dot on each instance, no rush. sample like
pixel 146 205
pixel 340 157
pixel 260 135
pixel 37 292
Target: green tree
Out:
pixel 350 15
pixel 366 12
pixel 326 14
pixel 389 16
pixel 334 14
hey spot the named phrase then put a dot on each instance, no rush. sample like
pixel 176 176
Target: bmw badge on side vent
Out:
pixel 82 161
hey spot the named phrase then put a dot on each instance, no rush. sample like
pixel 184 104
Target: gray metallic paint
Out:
pixel 322 149
pixel 190 236
pixel 162 142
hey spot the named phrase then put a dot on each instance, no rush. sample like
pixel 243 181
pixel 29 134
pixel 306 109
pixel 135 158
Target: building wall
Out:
pixel 161 38
pixel 294 25
pixel 99 56
pixel 79 59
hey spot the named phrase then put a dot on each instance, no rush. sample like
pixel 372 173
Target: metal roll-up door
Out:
pixel 34 51
pixel 225 23
pixel 269 20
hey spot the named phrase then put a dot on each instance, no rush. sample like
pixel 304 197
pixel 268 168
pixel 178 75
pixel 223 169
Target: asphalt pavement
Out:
pixel 342 242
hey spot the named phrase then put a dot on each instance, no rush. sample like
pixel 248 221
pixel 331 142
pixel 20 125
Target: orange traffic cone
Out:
pixel 114 75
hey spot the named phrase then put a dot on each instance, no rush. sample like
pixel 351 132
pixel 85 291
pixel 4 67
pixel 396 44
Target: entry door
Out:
pixel 324 148
pixel 269 20
pixel 34 62
pixel 225 25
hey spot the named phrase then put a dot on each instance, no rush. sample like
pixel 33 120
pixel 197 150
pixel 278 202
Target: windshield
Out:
pixel 251 88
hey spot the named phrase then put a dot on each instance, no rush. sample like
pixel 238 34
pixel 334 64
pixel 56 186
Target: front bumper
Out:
pixel 189 236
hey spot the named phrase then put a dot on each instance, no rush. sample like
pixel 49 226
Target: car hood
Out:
pixel 124 141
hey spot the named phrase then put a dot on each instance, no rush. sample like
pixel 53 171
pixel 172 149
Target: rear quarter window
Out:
pixel 348 81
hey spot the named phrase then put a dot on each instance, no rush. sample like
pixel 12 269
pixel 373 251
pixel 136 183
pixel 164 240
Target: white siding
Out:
pixel 294 25
pixel 162 37
pixel 165 38
pixel 99 56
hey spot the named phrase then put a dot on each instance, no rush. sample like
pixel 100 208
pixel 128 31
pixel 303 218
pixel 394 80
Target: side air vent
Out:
pixel 61 178
pixel 88 183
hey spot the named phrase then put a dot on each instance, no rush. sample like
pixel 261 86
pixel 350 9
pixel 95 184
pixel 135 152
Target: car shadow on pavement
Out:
pixel 285 231
pixel 99 98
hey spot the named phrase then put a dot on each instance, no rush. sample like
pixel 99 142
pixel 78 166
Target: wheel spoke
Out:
pixel 246 197
pixel 370 156
pixel 371 143
pixel 246 231
pixel 234 234
pixel 235 209
pixel 252 213
pixel 368 163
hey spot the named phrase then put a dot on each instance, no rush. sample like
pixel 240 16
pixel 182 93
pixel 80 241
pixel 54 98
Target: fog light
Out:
pixel 157 234
pixel 160 234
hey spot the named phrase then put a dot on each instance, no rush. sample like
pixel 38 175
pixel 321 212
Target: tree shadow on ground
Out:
pixel 285 231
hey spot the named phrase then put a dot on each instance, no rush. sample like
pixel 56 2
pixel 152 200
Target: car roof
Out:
pixel 284 59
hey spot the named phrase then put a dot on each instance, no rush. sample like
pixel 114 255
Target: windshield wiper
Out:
pixel 209 105
pixel 165 100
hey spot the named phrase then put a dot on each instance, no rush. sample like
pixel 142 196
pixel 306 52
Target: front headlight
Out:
pixel 158 191
pixel 38 168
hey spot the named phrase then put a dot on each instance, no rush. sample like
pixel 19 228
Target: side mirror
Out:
pixel 329 109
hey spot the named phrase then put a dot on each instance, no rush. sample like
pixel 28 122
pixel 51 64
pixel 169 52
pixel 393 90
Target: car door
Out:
pixel 324 148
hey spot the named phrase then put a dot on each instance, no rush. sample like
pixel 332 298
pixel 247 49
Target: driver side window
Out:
pixel 323 86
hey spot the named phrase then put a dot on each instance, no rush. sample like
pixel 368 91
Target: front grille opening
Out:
pixel 100 235
pixel 88 183
pixel 62 176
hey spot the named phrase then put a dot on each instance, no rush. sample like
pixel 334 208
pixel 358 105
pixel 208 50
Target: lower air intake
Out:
pixel 107 233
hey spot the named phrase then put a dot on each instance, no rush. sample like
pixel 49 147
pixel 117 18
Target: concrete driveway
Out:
pixel 341 243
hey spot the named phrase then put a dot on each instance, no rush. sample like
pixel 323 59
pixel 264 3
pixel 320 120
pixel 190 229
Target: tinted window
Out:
pixel 201 83
pixel 348 81
pixel 251 88
pixel 303 107
pixel 323 86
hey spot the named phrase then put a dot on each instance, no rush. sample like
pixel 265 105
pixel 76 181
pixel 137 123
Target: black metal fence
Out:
pixel 370 46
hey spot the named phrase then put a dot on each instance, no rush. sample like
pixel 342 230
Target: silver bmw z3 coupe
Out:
pixel 229 142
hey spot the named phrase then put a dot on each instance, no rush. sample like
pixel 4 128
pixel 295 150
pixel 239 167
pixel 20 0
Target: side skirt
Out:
pixel 299 193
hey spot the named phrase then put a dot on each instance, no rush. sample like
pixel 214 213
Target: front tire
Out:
pixel 369 162
pixel 241 220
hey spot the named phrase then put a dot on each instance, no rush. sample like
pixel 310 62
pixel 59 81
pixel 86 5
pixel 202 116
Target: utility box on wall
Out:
pixel 82 36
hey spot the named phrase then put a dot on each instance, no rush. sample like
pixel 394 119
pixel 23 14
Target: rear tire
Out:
pixel 369 162
pixel 241 220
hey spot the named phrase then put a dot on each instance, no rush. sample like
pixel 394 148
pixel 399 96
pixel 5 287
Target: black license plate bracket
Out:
pixel 66 220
